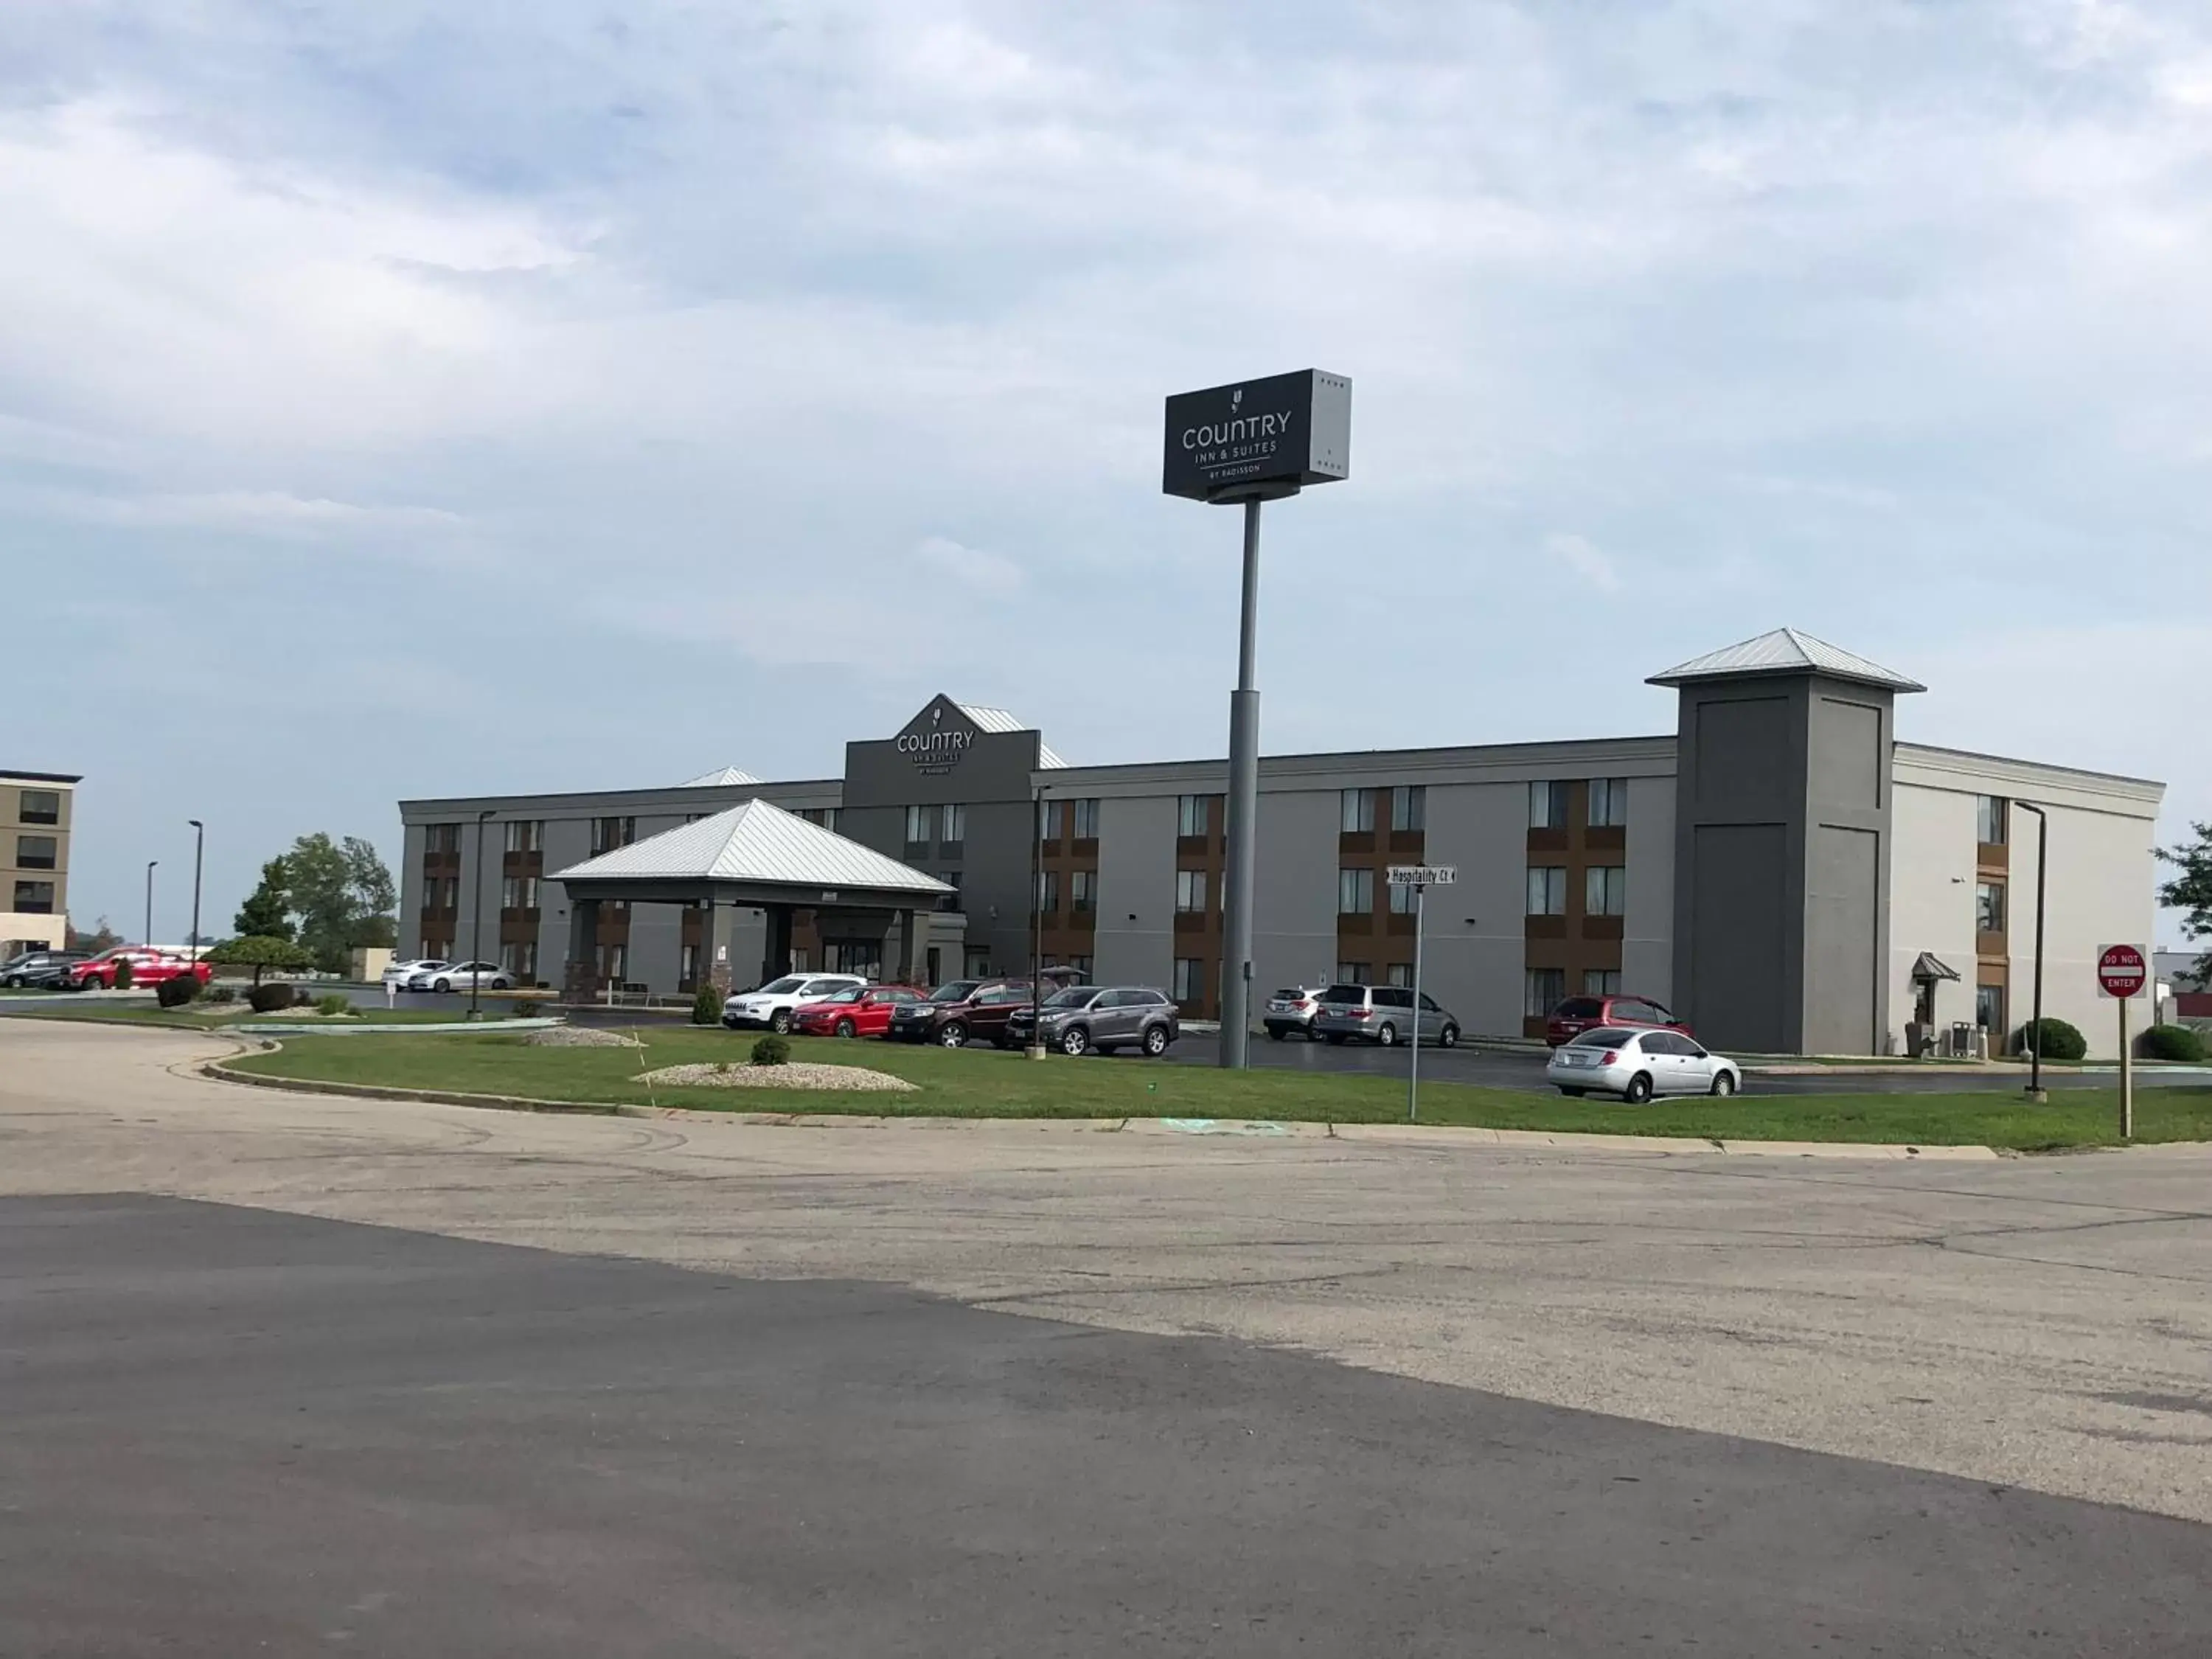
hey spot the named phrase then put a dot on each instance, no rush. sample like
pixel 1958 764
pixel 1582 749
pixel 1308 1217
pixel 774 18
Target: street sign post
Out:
pixel 2123 974
pixel 1248 442
pixel 1420 878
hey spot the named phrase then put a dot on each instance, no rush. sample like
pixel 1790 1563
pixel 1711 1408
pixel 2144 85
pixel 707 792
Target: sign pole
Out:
pixel 2127 1078
pixel 1241 835
pixel 1413 1068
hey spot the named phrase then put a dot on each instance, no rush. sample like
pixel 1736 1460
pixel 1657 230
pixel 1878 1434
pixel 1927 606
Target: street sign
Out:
pixel 1423 875
pixel 1258 439
pixel 2121 971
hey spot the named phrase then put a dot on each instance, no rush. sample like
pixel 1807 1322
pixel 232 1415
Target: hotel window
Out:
pixel 525 835
pixel 1355 892
pixel 1989 1007
pixel 824 815
pixel 39 806
pixel 1608 803
pixel 607 833
pixel 1601 982
pixel 954 824
pixel 1191 814
pixel 1402 899
pixel 1399 973
pixel 1190 891
pixel 36 852
pixel 1409 807
pixel 1082 889
pixel 439 838
pixel 33 898
pixel 1547 987
pixel 917 826
pixel 1351 973
pixel 1357 815
pixel 1989 907
pixel 1052 819
pixel 1189 976
pixel 687 963
pixel 1989 817
pixel 519 893
pixel 1086 820
pixel 614 960
pixel 1048 892
pixel 1547 890
pixel 1081 964
pixel 1548 805
pixel 951 901
pixel 1605 890
pixel 520 959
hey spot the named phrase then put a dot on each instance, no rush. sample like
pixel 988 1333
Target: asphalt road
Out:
pixel 233 1430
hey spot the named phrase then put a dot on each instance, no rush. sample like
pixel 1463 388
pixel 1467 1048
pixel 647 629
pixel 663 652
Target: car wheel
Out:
pixel 1572 1094
pixel 442 985
pixel 844 1028
pixel 780 1022
pixel 952 1035
pixel 499 985
pixel 15 982
pixel 1638 1090
pixel 1449 1037
pixel 1156 1041
pixel 1387 1035
pixel 1075 1041
pixel 1723 1083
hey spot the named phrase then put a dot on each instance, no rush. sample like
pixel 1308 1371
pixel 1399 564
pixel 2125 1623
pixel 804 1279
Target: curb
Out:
pixel 1242 1128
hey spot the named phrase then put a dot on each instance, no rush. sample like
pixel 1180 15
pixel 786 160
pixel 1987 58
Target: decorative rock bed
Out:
pixel 798 1075
pixel 580 1036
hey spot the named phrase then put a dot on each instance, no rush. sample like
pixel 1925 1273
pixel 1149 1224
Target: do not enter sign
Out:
pixel 2122 972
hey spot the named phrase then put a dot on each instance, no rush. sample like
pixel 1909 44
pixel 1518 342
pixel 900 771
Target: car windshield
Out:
pixel 1606 1036
pixel 1344 993
pixel 958 991
pixel 1074 996
pixel 1289 994
pixel 779 987
pixel 850 993
pixel 1578 1008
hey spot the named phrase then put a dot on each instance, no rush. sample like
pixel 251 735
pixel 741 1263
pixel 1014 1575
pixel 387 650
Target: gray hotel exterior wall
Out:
pixel 1819 961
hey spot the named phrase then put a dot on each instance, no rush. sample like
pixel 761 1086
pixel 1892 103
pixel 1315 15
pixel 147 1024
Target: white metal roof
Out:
pixel 755 841
pixel 984 719
pixel 728 774
pixel 1785 651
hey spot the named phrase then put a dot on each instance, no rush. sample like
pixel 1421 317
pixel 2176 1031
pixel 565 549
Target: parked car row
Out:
pixel 436 973
pixel 1073 1018
pixel 81 971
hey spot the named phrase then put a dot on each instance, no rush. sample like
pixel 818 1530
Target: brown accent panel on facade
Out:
pixel 1574 943
pixel 1408 845
pixel 1396 924
pixel 1536 927
pixel 1555 840
pixel 1604 837
pixel 1355 841
pixel 1355 925
pixel 1992 857
pixel 1607 928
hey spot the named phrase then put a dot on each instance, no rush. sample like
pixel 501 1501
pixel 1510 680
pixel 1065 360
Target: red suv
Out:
pixel 147 968
pixel 1578 1014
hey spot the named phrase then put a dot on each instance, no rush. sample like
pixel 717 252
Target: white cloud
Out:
pixel 1584 563
pixel 986 572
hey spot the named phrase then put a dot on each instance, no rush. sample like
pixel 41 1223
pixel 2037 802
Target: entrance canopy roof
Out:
pixel 1785 651
pixel 754 846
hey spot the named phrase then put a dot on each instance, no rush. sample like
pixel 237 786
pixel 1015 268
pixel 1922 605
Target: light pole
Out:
pixel 199 845
pixel 2035 1088
pixel 1036 921
pixel 147 937
pixel 476 917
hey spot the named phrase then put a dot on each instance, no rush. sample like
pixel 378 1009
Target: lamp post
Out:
pixel 199 845
pixel 2035 1088
pixel 147 937
pixel 1036 921
pixel 476 917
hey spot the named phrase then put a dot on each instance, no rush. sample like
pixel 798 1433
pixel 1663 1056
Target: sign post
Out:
pixel 1419 877
pixel 2123 975
pixel 1254 441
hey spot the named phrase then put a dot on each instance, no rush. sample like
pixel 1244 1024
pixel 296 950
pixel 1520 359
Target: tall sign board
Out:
pixel 1257 440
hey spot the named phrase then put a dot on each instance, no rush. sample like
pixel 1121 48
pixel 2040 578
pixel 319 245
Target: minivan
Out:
pixel 1381 1014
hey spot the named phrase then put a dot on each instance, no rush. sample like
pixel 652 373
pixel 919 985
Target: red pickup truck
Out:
pixel 147 968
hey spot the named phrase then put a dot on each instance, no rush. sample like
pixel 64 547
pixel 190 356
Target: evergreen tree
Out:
pixel 2191 891
pixel 267 912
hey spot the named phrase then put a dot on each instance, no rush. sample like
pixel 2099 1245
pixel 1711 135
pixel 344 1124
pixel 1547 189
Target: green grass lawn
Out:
pixel 191 1018
pixel 975 1083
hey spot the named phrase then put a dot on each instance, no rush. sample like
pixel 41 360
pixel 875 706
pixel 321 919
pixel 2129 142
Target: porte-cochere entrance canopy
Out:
pixel 755 857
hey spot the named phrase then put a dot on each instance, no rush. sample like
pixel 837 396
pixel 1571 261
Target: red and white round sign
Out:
pixel 2121 970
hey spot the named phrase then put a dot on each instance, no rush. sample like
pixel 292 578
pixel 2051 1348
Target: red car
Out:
pixel 863 1011
pixel 147 968
pixel 1578 1014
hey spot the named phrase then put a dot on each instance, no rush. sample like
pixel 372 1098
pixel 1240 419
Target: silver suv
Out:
pixel 1381 1014
pixel 1102 1017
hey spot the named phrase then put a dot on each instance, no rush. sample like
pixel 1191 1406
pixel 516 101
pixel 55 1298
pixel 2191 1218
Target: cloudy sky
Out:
pixel 404 400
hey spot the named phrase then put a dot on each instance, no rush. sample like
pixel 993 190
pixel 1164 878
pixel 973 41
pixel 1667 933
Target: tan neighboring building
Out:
pixel 35 811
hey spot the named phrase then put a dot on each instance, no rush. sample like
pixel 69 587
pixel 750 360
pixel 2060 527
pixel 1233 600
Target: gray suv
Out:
pixel 1382 1014
pixel 1104 1018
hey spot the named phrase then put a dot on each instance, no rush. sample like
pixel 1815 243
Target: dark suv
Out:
pixel 964 1011
pixel 50 969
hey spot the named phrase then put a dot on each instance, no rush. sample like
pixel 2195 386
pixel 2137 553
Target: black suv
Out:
pixel 47 968
pixel 956 1014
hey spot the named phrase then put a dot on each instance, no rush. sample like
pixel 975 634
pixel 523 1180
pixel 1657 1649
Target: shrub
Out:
pixel 334 1003
pixel 528 1008
pixel 271 997
pixel 2060 1041
pixel 2173 1042
pixel 771 1050
pixel 220 993
pixel 706 1004
pixel 123 973
pixel 176 993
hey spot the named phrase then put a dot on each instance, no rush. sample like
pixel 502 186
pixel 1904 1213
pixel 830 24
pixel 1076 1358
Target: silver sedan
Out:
pixel 1637 1065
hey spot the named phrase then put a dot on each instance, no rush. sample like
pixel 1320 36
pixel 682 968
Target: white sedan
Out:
pixel 396 976
pixel 1636 1064
pixel 460 976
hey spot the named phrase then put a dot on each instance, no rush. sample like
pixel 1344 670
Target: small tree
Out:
pixel 706 1004
pixel 2191 891
pixel 267 912
pixel 101 938
pixel 260 952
